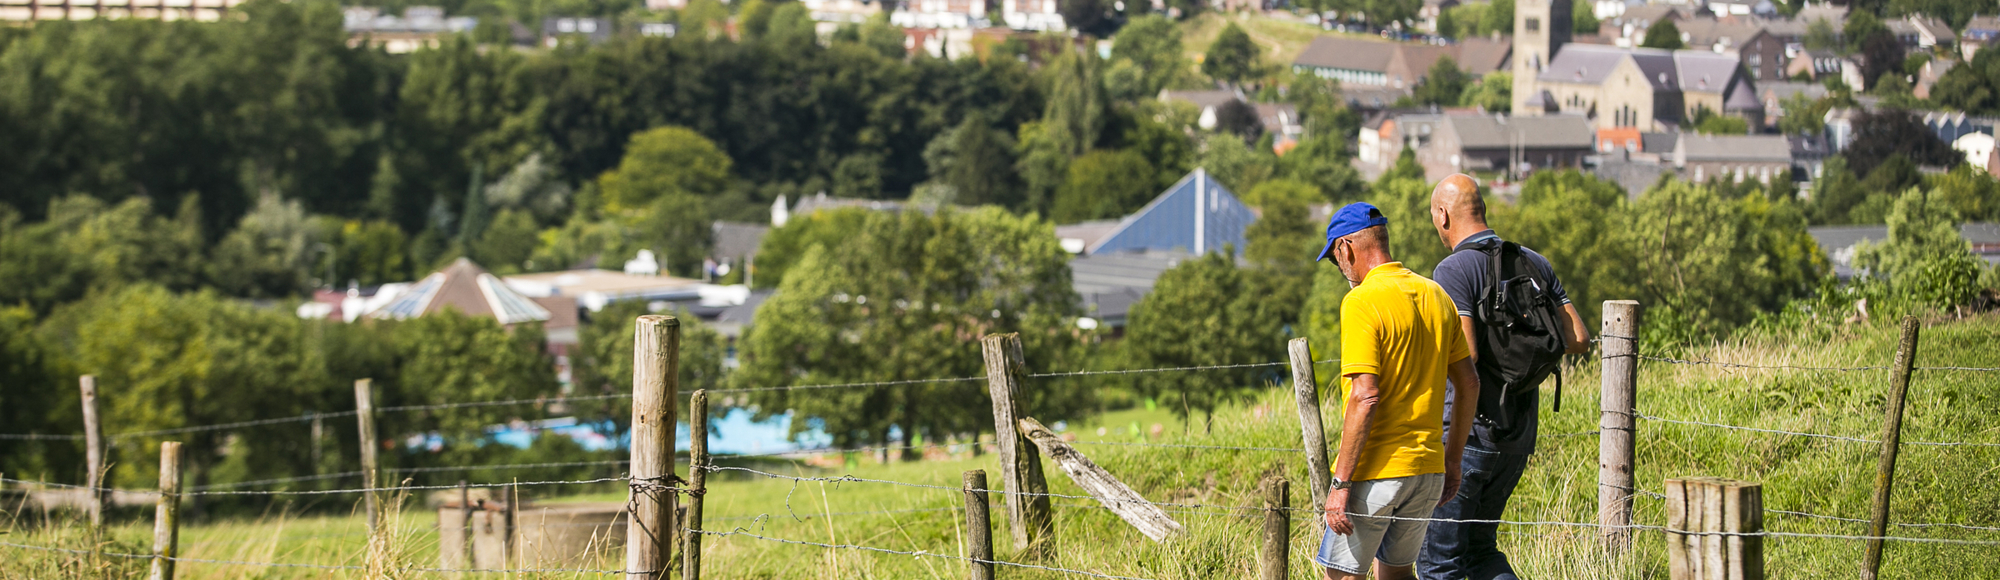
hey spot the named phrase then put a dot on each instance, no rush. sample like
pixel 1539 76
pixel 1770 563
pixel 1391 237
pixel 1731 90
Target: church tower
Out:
pixel 1541 27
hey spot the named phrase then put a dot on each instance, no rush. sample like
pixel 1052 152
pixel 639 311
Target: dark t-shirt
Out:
pixel 1463 274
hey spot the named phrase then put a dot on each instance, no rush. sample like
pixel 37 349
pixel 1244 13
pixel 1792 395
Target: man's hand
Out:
pixel 1453 476
pixel 1336 513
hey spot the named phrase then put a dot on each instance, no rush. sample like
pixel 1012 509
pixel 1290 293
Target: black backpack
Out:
pixel 1518 328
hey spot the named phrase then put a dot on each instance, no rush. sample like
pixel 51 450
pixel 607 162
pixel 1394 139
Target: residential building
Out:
pixel 418 27
pixel 940 14
pixel 1819 64
pixel 36 10
pixel 1840 126
pixel 1110 284
pixel 1728 8
pixel 1428 13
pixel 1468 142
pixel 1809 154
pixel 556 29
pixel 808 205
pixel 1927 77
pixel 1979 32
pixel 831 14
pixel 1037 15
pixel 1737 158
pixel 1280 120
pixel 1197 215
pixel 1357 62
pixel 1628 28
pixel 1978 150
pixel 1919 32
pixel 1776 92
pixel 1762 53
pixel 1384 136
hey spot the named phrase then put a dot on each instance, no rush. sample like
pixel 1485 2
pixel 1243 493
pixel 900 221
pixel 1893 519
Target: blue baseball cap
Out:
pixel 1351 218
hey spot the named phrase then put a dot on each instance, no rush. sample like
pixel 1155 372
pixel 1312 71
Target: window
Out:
pixel 1534 25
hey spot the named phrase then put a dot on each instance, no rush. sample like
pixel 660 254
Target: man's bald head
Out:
pixel 1458 196
pixel 1457 209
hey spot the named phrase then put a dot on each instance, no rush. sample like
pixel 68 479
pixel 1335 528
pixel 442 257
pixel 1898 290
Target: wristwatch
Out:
pixel 1338 484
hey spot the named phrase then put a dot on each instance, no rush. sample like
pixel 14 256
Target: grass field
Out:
pixel 1820 476
pixel 1281 37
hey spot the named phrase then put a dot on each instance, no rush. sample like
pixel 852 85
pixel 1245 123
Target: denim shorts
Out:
pixel 1395 542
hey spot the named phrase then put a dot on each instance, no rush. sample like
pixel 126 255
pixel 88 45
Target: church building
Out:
pixel 1648 89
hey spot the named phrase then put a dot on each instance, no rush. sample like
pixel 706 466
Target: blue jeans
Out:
pixel 1454 551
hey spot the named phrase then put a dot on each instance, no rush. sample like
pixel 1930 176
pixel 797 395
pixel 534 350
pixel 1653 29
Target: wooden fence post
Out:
pixel 465 507
pixel 1713 529
pixel 364 407
pixel 697 483
pixel 1892 437
pixel 650 533
pixel 93 449
pixel 1028 515
pixel 1305 384
pixel 167 517
pixel 1616 422
pixel 1277 553
pixel 978 528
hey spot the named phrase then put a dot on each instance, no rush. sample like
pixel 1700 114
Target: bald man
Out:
pixel 1503 430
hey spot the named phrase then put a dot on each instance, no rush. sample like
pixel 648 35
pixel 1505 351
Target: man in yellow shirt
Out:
pixel 1399 341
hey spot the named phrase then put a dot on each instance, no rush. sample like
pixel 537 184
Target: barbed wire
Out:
pixel 306 566
pixel 1751 366
pixel 1154 370
pixel 1818 435
pixel 401 487
pixel 1185 447
pixel 847 385
pixel 38 437
pixel 1897 524
pixel 276 480
pixel 746 533
pixel 507 466
pixel 538 400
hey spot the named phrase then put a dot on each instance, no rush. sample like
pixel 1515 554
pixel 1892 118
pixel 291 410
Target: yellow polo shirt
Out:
pixel 1404 328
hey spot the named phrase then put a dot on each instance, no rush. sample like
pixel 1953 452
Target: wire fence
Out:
pixel 1183 508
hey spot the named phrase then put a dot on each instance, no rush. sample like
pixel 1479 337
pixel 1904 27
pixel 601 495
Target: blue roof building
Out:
pixel 1197 215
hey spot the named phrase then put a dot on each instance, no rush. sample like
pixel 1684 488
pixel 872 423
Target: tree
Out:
pixel 1091 17
pixel 1835 194
pixel 1072 123
pixel 1153 44
pixel 1492 93
pixel 451 357
pixel 1820 35
pixel 603 361
pixel 1170 151
pixel 1239 118
pixel 1583 19
pixel 1499 17
pixel 1201 313
pixel 1280 246
pixel 1882 133
pixel 35 400
pixel 1882 58
pixel 1412 239
pixel 1104 185
pixel 1569 217
pixel 86 245
pixel 1925 259
pixel 977 161
pixel 1861 26
pixel 665 161
pixel 1443 85
pixel 907 297
pixel 1663 34
pixel 1238 166
pixel 1302 192
pixel 1707 122
pixel 269 253
pixel 1803 115
pixel 1747 255
pixel 1232 57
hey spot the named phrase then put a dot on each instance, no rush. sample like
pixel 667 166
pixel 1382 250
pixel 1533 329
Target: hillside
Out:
pixel 1812 475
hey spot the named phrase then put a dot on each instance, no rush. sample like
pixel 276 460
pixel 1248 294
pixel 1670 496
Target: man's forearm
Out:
pixel 1464 407
pixel 1360 415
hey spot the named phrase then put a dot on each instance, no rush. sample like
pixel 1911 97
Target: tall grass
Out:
pixel 1945 485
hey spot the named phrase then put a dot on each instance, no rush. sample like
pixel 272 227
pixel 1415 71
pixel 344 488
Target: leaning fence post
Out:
pixel 978 528
pixel 364 407
pixel 655 384
pixel 1305 384
pixel 1619 353
pixel 1028 514
pixel 697 483
pixel 1892 436
pixel 167 517
pixel 1277 553
pixel 93 447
